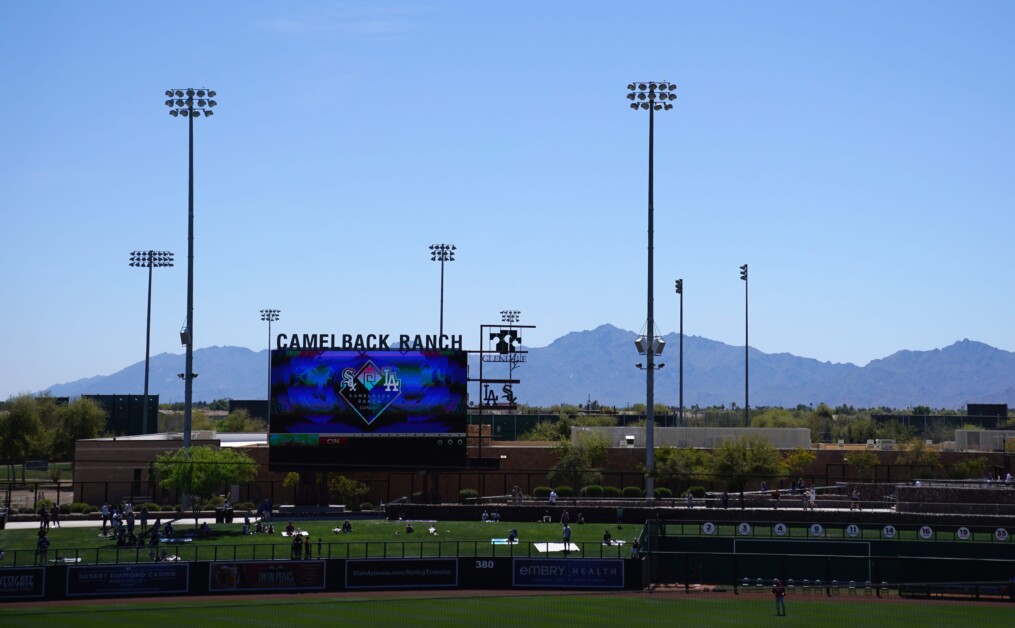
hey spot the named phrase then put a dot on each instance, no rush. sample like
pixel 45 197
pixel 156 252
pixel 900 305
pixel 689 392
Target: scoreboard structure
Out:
pixel 334 409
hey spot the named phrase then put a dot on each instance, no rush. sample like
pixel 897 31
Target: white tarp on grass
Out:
pixel 556 547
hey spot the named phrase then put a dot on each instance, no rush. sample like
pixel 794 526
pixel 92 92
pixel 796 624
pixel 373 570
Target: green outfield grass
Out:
pixel 552 611
pixel 370 538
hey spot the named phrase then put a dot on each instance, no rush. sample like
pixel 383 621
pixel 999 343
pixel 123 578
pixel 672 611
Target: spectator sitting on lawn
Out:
pixel 495 516
pixel 290 529
pixel 168 530
pixel 432 530
pixel 346 526
pixel 408 528
pixel 512 535
pixel 607 538
pixel 485 518
pixel 204 530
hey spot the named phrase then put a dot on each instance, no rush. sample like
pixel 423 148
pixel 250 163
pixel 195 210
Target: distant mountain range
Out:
pixel 599 365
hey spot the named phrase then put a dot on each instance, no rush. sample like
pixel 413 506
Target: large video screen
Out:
pixel 368 408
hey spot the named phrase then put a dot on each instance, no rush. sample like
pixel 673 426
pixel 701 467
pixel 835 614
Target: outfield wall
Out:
pixel 731 560
pixel 305 576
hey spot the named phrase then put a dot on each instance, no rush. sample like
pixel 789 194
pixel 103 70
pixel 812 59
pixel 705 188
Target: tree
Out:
pixel 577 460
pixel 797 460
pixel 680 466
pixel 292 480
pixel 862 461
pixel 740 460
pixel 47 408
pixel 778 417
pixel 201 472
pixel 81 419
pixel 347 491
pixel 595 420
pixel 201 421
pixel 971 468
pixel 21 431
pixel 550 430
pixel 823 411
pixel 918 453
pixel 856 430
pixel 241 421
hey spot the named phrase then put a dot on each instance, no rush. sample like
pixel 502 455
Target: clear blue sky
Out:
pixel 858 155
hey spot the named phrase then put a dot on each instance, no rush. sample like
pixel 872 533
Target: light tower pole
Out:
pixel 651 96
pixel 190 103
pixel 270 316
pixel 747 344
pixel 511 317
pixel 680 290
pixel 149 259
pixel 442 253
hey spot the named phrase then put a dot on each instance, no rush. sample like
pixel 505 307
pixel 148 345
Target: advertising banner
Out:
pixel 405 573
pixel 267 576
pixel 119 580
pixel 559 573
pixel 22 583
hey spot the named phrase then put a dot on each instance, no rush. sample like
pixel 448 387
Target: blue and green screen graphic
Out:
pixel 368 392
pixel 368 408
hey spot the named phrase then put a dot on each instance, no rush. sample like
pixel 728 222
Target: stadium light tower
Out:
pixel 651 96
pixel 270 316
pixel 747 379
pixel 679 284
pixel 149 259
pixel 190 103
pixel 442 253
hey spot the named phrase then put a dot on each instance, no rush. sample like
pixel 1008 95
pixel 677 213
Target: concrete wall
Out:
pixel 705 437
pixel 982 440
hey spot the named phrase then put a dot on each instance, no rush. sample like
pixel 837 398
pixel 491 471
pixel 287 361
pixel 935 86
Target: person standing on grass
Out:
pixel 42 548
pixel 779 592
pixel 620 518
pixel 567 539
pixel 54 516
